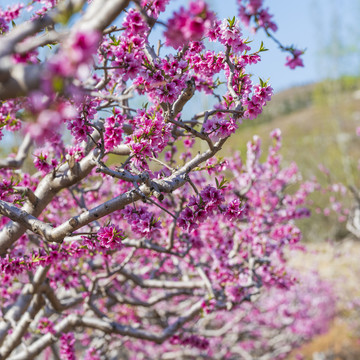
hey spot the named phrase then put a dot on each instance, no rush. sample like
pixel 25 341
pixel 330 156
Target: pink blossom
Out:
pixel 188 25
pixel 46 326
pixel 92 354
pixel 294 60
pixel 230 35
pixel 67 348
pixel 82 46
pixel 47 122
pixel 110 237
pixel 220 127
pixel 113 130
pixel 155 6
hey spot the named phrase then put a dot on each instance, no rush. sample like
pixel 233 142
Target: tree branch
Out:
pixel 24 219
pixel 23 151
pixel 19 80
pixel 48 187
pixel 107 327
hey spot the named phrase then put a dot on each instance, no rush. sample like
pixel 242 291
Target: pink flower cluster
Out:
pixel 46 6
pixel 254 10
pixel 9 15
pixel 47 116
pixel 288 233
pixel 164 80
pixel 113 130
pixel 200 207
pixel 46 326
pixel 82 46
pixel 260 96
pixel 235 210
pixel 207 64
pixel 41 161
pixel 151 134
pixel 14 266
pixel 294 61
pixel 8 119
pixel 80 126
pixel 6 188
pixel 75 56
pixel 126 51
pixel 220 127
pixel 92 354
pixel 134 24
pixel 67 348
pixel 154 7
pixel 231 36
pixel 142 222
pixel 44 127
pixel 242 83
pixel 215 165
pixel 27 58
pixel 189 25
pixel 111 237
pixel 7 183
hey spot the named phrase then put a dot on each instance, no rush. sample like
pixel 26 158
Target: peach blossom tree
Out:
pixel 123 233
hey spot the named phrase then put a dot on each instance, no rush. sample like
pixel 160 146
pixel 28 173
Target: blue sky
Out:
pixel 329 30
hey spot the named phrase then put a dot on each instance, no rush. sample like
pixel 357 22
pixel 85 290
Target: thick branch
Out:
pixel 19 80
pixel 149 303
pixel 108 327
pixel 162 284
pixel 22 302
pixel 14 339
pixel 24 219
pixel 57 234
pixel 48 187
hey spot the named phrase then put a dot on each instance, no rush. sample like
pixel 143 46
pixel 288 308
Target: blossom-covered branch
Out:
pixel 122 231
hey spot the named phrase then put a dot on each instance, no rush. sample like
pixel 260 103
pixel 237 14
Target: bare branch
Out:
pixel 56 303
pixel 22 302
pixel 19 80
pixel 151 302
pixel 57 234
pixel 162 284
pixel 107 327
pixel 184 97
pixel 48 187
pixel 14 339
pixel 17 162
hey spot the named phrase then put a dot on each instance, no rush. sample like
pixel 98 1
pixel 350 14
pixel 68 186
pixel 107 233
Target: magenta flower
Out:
pixel 46 326
pixel 110 237
pixel 295 60
pixel 82 46
pixel 189 25
pixel 67 348
pixel 47 122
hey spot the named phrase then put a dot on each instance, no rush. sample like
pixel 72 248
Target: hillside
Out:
pixel 318 124
pixel 318 119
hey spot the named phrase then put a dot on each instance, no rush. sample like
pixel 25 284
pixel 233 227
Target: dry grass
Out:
pixel 318 124
pixel 339 341
pixel 338 263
